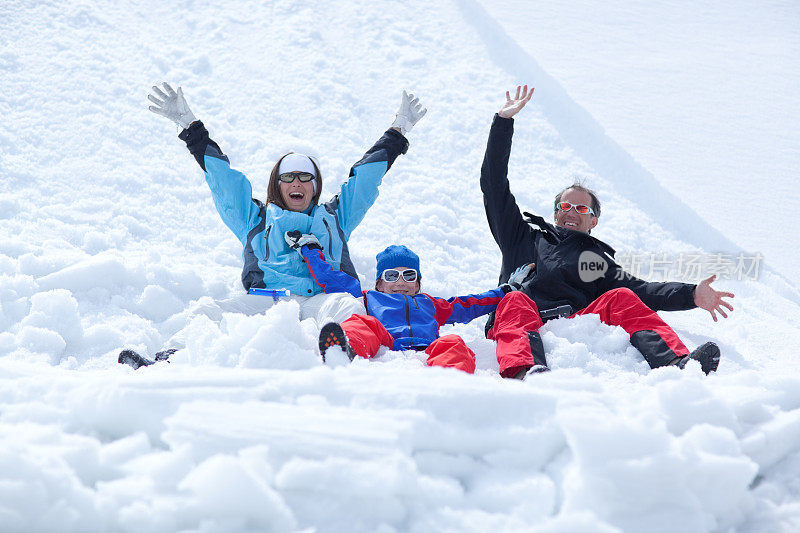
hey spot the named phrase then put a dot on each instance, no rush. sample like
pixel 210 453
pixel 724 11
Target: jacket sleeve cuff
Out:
pixel 393 133
pixel 503 123
pixel 196 129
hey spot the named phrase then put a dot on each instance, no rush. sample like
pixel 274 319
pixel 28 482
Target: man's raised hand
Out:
pixel 171 104
pixel 515 105
pixel 711 300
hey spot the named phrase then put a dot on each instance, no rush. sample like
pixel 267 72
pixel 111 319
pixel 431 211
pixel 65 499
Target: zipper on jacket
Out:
pixel 330 239
pixel 266 243
pixel 408 316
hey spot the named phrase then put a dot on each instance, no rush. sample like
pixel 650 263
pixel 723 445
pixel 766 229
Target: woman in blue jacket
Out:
pixel 292 203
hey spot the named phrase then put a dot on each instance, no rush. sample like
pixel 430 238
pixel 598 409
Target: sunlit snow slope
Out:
pixel 701 94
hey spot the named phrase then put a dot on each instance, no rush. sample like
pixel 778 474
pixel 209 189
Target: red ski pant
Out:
pixel 517 314
pixel 657 341
pixel 366 335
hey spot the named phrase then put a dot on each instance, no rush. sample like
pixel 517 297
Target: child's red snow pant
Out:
pixel 517 316
pixel 366 335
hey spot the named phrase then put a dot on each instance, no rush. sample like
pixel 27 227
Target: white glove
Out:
pixel 171 105
pixel 409 113
pixel 519 276
pixel 297 240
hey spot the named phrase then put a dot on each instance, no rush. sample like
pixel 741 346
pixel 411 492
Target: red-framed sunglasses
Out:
pixel 579 208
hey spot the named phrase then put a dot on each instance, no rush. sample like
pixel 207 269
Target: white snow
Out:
pixel 110 239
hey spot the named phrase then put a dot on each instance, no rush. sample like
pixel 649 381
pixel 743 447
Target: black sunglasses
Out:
pixel 289 177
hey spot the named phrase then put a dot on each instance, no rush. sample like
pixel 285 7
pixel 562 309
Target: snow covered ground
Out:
pixel 109 235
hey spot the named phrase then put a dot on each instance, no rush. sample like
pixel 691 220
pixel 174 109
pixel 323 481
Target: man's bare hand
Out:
pixel 515 105
pixel 711 300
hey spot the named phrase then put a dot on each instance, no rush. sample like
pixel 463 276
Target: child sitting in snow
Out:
pixel 400 317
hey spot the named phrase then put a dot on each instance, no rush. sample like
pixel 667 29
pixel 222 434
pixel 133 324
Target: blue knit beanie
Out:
pixel 395 256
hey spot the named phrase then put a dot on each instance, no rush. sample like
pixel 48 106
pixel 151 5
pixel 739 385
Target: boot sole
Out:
pixel 331 335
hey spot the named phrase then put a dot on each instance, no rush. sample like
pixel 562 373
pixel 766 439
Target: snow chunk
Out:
pixel 272 340
pixel 43 341
pixel 233 489
pixel 100 271
pixel 39 491
pixel 56 310
pixel 157 303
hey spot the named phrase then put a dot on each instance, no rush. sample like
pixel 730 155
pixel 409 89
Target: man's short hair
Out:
pixel 578 186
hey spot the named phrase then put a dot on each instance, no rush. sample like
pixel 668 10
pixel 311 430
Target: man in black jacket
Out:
pixel 573 273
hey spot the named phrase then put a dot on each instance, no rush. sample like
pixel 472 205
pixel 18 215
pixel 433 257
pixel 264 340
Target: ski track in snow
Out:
pixel 109 234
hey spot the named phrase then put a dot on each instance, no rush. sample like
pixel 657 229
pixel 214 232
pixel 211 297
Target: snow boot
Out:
pixel 332 334
pixel 707 355
pixel 133 359
pixel 539 360
pixel 163 355
pixel 530 370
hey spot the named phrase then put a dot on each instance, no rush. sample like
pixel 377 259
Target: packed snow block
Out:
pixel 686 400
pixel 515 430
pixel 7 264
pixel 105 338
pixel 42 341
pixel 11 312
pixel 95 242
pixel 48 260
pixel 15 292
pixel 122 450
pixel 56 310
pixel 774 440
pixel 352 494
pixel 41 492
pixel 79 452
pixel 310 431
pixel 8 342
pixel 272 340
pixel 230 490
pixel 636 475
pixel 157 472
pixel 125 402
pixel 183 282
pixel 157 303
pixel 9 206
pixel 104 271
pixel 533 497
pixel 587 343
pixel 720 473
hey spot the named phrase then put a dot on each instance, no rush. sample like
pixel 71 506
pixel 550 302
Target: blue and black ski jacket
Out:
pixel 268 261
pixel 412 321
